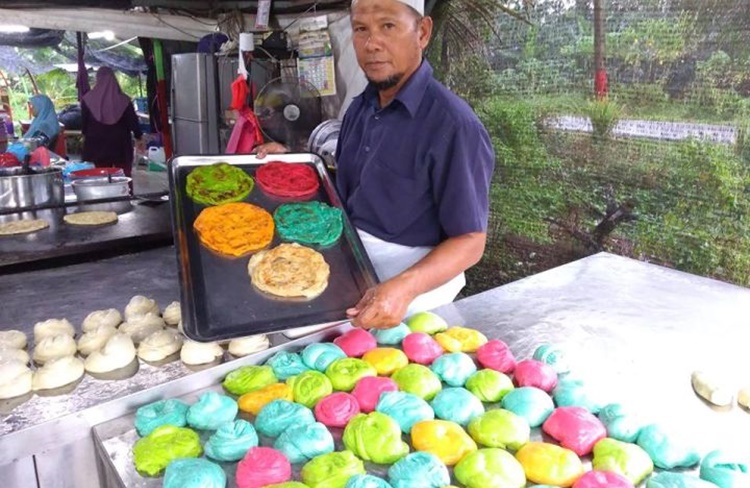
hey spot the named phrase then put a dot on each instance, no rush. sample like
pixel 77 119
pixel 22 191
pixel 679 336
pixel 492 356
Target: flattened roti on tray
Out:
pixel 289 271
pixel 22 226
pixel 90 218
pixel 234 229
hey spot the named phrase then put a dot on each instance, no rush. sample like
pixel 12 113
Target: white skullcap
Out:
pixel 417 5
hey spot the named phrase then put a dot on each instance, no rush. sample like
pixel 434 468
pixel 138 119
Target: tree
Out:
pixel 600 72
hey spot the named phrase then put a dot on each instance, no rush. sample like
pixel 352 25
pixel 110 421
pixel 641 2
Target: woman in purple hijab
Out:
pixel 109 124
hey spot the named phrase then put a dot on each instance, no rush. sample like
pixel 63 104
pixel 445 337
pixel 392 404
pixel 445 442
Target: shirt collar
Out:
pixel 411 94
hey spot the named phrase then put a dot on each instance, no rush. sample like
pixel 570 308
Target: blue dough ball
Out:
pixel 393 336
pixel 666 453
pixel 547 353
pixel 367 481
pixel 571 392
pixel 419 470
pixel 620 423
pixel 405 408
pixel 320 355
pixel 211 411
pixel 303 442
pixel 279 415
pixel 533 404
pixel 156 414
pixel 286 364
pixel 725 470
pixel 457 405
pixel 454 368
pixel 231 441
pixel 194 473
pixel 666 479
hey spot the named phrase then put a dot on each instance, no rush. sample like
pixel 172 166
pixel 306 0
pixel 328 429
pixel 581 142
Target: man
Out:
pixel 414 165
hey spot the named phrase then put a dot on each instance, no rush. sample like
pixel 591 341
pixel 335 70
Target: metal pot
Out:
pixel 43 187
pixel 101 188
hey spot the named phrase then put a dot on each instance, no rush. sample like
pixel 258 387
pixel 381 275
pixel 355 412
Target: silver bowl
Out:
pixel 101 188
pixel 42 187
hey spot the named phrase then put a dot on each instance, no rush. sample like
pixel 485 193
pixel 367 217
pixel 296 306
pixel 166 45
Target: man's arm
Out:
pixel 385 305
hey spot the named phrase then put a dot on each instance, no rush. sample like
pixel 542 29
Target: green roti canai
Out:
pixel 218 183
pixel 311 223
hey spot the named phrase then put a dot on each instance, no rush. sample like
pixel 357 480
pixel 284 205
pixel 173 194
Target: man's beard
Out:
pixel 387 83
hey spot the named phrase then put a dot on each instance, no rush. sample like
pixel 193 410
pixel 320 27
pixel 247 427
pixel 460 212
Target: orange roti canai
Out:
pixel 234 229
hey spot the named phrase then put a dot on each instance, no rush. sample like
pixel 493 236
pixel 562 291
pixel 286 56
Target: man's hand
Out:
pixel 270 148
pixel 382 306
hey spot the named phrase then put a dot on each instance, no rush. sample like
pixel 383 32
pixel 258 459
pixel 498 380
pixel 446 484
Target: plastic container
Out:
pixel 156 155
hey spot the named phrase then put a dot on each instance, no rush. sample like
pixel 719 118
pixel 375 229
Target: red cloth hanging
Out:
pixel 246 133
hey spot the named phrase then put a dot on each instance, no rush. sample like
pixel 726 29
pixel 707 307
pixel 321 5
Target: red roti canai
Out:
pixel 287 180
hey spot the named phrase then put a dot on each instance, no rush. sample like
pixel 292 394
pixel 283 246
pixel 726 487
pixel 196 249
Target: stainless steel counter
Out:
pixel 633 331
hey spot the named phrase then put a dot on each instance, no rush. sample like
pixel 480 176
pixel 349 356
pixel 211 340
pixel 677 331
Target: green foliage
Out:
pixel 604 115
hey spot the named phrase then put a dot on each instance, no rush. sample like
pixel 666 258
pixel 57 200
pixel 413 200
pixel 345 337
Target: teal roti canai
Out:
pixel 310 223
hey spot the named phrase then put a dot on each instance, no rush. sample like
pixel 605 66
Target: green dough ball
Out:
pixel 332 470
pixel 490 468
pixel 375 437
pixel 308 223
pixel 418 380
pixel 623 458
pixel 427 322
pixel 725 470
pixel 664 451
pixel 500 428
pixel 344 373
pixel 309 387
pixel 489 385
pixel 154 452
pixel 249 378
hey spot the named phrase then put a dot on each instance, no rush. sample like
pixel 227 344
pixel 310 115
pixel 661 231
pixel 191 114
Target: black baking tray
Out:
pixel 217 297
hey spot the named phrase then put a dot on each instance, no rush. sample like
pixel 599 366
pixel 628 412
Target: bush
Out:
pixel 604 115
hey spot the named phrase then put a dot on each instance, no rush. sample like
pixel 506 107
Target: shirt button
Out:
pixel 367 148
pixel 377 117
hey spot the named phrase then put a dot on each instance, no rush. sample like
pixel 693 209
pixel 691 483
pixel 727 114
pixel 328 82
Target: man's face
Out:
pixel 389 39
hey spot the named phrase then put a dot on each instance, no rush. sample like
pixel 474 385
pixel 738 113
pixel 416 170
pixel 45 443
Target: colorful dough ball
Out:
pixel 162 412
pixel 262 466
pixel 500 428
pixel 531 403
pixel 356 342
pixel 367 481
pixel 288 484
pixel 418 380
pixel 575 428
pixel 279 415
pixel 553 356
pixel 367 391
pixel 254 401
pixel 667 479
pixel 725 470
pixel 211 411
pixel 535 373
pixel 490 468
pixel 152 454
pixel 457 405
pixel 621 424
pixel 309 387
pixel 454 369
pixel 386 360
pixel 496 354
pixel 489 385
pixel 419 470
pixel 426 322
pixel 375 437
pixel 461 339
pixel 301 443
pixel 572 392
pixel 392 336
pixel 624 458
pixel 667 450
pixel 344 373
pixel 249 378
pixel 404 408
pixel 319 355
pixel 421 348
pixel 446 440
pixel 332 470
pixel 549 464
pixel 602 479
pixel 194 473
pixel 286 364
pixel 231 441
pixel 336 409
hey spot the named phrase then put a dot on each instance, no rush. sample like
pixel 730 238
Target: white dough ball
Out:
pixel 141 326
pixel 743 397
pixel 159 345
pixel 140 305
pixel 54 347
pixel 13 354
pixel 94 339
pixel 12 339
pixel 52 327
pixel 194 353
pixel 172 314
pixel 243 346
pixel 118 352
pixel 110 316
pixel 57 372
pixel 15 379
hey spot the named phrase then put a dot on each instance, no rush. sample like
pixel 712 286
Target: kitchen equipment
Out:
pixel 30 187
pixel 102 188
pixel 89 173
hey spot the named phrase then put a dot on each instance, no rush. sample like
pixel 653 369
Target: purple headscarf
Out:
pixel 106 101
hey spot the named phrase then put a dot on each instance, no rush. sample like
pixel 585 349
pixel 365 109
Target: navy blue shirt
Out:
pixel 418 170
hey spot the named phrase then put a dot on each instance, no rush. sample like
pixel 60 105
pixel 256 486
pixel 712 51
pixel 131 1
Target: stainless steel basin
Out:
pixel 42 188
